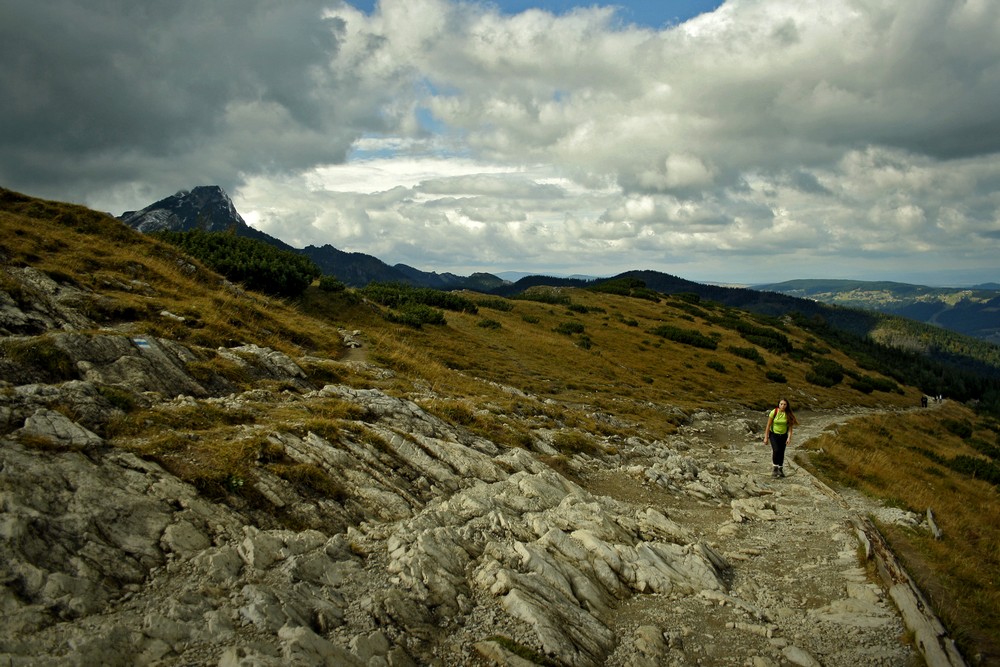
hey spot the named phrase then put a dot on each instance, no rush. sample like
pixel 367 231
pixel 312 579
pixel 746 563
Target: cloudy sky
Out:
pixel 745 141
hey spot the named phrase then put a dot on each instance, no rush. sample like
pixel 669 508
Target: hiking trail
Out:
pixel 799 592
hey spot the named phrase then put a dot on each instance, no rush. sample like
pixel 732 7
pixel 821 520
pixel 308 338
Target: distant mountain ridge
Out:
pixel 973 311
pixel 210 209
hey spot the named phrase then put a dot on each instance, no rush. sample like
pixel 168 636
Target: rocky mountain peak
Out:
pixel 206 207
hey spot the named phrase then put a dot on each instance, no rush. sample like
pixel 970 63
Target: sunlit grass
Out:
pixel 902 460
pixel 531 352
pixel 130 279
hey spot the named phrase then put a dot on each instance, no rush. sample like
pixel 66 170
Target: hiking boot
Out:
pixel 781 472
pixel 774 472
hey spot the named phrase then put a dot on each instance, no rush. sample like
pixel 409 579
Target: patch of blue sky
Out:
pixel 656 14
pixel 437 140
pixel 429 122
pixel 374 147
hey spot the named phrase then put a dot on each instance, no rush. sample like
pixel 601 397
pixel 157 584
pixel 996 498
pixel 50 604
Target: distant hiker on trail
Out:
pixel 778 433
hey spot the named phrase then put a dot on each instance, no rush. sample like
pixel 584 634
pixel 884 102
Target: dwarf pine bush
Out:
pixel 825 373
pixel 257 265
pixel 751 353
pixel 685 336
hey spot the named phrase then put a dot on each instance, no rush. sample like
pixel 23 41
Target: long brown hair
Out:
pixel 790 416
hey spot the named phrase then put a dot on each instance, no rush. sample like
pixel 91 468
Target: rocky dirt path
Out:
pixel 798 590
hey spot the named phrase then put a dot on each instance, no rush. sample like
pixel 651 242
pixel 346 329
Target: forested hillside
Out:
pixel 257 265
pixel 972 311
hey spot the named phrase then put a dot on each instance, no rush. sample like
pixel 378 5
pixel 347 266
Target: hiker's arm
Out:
pixel 767 429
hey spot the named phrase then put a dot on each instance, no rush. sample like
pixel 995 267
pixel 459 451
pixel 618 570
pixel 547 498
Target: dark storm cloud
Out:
pixel 119 91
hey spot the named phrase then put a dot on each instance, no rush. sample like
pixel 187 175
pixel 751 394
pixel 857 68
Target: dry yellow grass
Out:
pixel 130 279
pixel 624 361
pixel 900 459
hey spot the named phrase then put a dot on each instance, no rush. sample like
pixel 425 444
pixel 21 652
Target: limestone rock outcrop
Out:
pixel 461 534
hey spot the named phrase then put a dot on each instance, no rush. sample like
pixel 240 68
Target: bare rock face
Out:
pixel 553 556
pixel 94 534
pixel 206 207
pixel 108 558
pixel 39 305
pixel 82 528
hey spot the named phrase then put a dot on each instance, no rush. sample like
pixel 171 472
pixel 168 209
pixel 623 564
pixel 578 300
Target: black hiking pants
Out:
pixel 778 442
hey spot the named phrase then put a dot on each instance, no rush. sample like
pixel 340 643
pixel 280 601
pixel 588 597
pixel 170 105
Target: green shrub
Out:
pixel 569 328
pixel 716 366
pixel 619 286
pixel 647 294
pixel 961 428
pixel 691 310
pixel 777 343
pixel 684 336
pixel 862 385
pixel 398 295
pixel 689 297
pixel 544 295
pixel 331 284
pixel 630 287
pixel 775 376
pixel 983 447
pixel 762 336
pixel 825 373
pixel 977 468
pixel 502 305
pixel 867 384
pixel 488 324
pixel 751 353
pixel 416 315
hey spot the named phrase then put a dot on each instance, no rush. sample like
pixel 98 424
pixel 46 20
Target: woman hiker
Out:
pixel 778 433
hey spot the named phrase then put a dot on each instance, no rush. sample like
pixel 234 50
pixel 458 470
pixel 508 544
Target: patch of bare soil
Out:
pixel 798 589
pixel 359 354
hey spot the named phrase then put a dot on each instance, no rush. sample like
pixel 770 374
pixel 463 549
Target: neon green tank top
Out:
pixel 779 423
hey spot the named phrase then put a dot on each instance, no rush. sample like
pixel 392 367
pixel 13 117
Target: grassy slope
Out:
pixel 628 381
pixel 902 458
pixel 625 361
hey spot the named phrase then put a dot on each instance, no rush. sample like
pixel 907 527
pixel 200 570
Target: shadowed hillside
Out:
pixel 973 311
